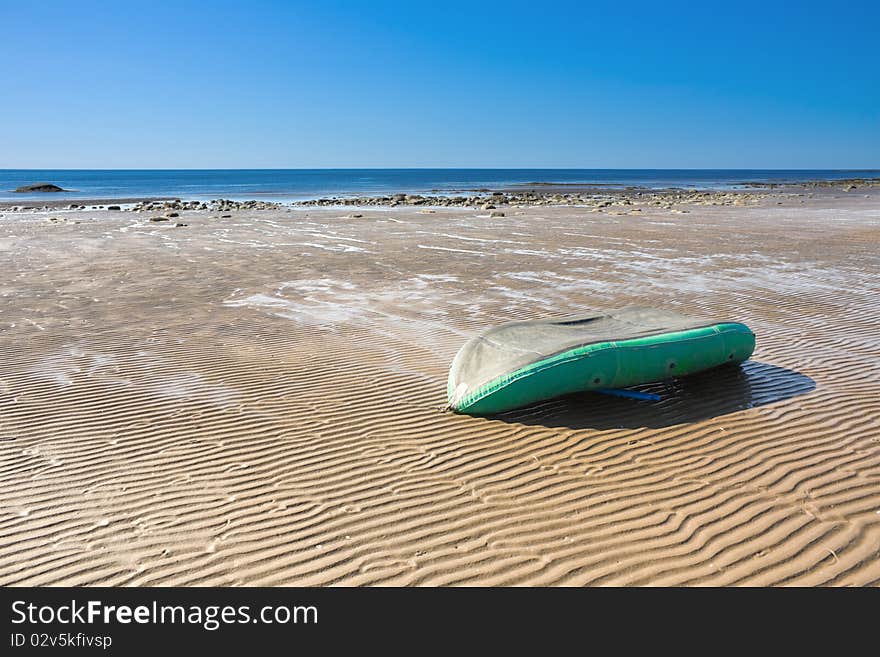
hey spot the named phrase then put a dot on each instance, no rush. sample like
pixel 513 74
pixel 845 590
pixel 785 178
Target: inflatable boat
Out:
pixel 520 363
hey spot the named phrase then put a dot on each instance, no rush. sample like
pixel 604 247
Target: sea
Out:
pixel 285 185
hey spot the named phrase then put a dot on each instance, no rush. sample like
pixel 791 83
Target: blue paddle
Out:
pixel 629 394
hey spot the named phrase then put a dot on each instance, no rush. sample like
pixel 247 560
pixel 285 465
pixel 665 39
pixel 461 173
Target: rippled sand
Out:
pixel 256 400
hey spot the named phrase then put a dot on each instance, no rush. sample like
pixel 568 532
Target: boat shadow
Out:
pixel 693 398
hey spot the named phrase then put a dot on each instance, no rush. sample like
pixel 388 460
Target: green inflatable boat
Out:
pixel 520 363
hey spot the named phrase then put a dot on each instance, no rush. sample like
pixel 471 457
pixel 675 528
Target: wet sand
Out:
pixel 256 400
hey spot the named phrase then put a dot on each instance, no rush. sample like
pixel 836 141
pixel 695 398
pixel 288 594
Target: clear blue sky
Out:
pixel 439 84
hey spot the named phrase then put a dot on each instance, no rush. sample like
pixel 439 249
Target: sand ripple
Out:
pixel 184 408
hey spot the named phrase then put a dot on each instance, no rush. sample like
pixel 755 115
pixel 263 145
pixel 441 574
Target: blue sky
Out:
pixel 430 84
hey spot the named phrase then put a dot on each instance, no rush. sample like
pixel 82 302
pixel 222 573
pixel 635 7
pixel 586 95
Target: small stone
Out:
pixel 496 213
pixel 113 207
pixel 158 218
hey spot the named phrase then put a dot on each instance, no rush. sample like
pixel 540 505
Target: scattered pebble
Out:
pixel 596 201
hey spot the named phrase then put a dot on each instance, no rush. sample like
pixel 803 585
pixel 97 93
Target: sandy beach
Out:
pixel 257 399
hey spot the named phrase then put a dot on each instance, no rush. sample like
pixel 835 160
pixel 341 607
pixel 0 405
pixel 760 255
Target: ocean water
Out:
pixel 300 184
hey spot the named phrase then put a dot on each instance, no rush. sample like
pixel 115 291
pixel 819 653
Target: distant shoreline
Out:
pixel 95 187
pixel 52 203
pixel 549 193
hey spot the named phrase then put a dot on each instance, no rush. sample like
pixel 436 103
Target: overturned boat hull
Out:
pixel 520 363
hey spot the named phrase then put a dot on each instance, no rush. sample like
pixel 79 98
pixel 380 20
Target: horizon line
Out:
pixel 467 168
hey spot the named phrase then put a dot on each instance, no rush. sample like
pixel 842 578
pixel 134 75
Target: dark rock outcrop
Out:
pixel 40 187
